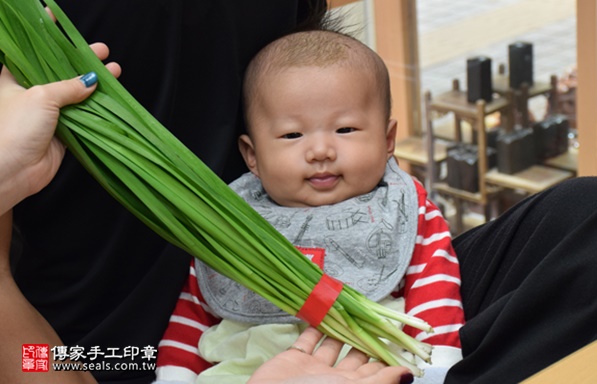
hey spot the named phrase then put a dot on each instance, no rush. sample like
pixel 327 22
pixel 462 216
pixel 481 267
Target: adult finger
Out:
pixel 371 368
pixel 385 375
pixel 307 341
pixel 389 375
pixel 353 360
pixel 114 69
pixel 66 92
pixel 7 79
pixel 328 351
pixel 101 50
pixel 50 14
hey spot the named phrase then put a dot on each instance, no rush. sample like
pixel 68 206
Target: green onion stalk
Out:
pixel 149 171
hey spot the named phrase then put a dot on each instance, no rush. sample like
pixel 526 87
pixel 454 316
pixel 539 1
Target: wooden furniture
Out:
pixel 586 91
pixel 536 178
pixel 491 182
pixel 339 3
pixel 575 368
pixel 568 161
pixel 531 180
pixel 413 150
pixel 455 102
pixel 501 85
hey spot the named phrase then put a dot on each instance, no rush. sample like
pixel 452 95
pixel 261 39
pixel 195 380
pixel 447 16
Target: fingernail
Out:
pixel 89 79
pixel 406 378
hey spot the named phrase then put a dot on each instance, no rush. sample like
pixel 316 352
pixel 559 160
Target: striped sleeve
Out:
pixel 178 354
pixel 431 286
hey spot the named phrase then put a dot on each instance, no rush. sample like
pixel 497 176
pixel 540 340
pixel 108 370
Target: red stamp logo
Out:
pixel 36 358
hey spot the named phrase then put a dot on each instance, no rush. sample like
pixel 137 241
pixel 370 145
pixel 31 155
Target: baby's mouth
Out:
pixel 323 181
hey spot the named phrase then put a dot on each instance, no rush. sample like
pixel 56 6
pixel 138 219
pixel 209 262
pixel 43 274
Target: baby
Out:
pixel 319 148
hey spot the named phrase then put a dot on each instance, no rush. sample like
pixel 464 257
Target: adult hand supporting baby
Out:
pixel 304 364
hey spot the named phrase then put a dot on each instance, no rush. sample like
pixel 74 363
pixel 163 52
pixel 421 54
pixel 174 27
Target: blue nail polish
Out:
pixel 89 79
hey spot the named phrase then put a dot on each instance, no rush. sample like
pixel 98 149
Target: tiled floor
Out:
pixel 452 31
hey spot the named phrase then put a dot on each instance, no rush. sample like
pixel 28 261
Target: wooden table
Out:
pixel 567 161
pixel 414 150
pixel 532 180
pixel 577 368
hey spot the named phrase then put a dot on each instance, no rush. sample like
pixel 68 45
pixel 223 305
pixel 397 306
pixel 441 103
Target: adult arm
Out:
pixel 29 157
pixel 21 323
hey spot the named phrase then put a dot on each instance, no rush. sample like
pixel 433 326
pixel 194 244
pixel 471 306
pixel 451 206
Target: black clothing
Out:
pixel 97 274
pixel 529 285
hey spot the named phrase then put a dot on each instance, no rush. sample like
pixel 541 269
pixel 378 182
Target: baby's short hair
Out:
pixel 321 48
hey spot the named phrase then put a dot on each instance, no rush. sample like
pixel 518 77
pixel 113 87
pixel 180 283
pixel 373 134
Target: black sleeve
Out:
pixel 528 285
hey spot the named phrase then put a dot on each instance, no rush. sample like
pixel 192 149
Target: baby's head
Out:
pixel 317 107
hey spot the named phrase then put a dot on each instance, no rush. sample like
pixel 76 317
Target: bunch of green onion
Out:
pixel 166 186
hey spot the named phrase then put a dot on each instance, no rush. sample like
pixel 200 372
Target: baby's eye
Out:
pixel 293 135
pixel 345 130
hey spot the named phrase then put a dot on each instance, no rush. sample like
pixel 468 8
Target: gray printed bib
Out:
pixel 365 242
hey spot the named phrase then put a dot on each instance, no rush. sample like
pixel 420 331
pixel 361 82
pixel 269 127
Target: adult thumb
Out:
pixel 72 91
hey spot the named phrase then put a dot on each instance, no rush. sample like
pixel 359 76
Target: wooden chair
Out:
pixel 491 182
pixel 455 102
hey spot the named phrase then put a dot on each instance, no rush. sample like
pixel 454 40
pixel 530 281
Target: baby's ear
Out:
pixel 391 137
pixel 247 150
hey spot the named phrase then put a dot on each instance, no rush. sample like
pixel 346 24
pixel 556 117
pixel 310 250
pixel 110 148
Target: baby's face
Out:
pixel 318 135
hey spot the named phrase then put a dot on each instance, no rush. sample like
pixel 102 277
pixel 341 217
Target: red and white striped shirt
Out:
pixel 430 288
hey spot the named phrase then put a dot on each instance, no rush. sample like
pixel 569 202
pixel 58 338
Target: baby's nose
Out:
pixel 321 150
